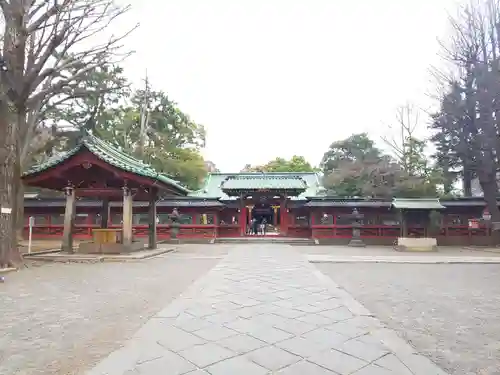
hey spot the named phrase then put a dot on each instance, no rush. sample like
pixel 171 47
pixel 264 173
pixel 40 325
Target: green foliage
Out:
pixel 452 138
pixel 104 87
pixel 413 158
pixel 167 124
pixel 356 148
pixel 183 164
pixel 295 164
pixel 356 167
pixel 170 141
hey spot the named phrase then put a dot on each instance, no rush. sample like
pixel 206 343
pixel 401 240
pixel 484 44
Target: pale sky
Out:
pixel 273 78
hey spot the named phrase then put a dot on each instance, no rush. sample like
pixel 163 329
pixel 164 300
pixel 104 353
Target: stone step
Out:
pixel 266 240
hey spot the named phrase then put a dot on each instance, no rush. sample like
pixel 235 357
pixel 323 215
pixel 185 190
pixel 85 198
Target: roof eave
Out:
pixel 417 204
pixel 235 192
pixel 40 168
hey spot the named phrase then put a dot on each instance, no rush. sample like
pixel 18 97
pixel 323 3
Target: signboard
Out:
pixel 486 215
pixel 31 222
pixel 473 224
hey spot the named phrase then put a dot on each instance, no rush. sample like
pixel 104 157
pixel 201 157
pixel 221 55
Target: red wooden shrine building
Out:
pixel 100 178
pixel 94 171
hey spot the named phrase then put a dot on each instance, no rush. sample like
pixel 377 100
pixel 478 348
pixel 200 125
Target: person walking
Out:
pixel 255 226
pixel 264 226
pixel 250 227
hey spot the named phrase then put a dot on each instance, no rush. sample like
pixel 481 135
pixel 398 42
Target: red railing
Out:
pixel 390 231
pixel 299 231
pixel 345 231
pixel 48 231
pixel 316 231
pixel 162 230
pixel 228 230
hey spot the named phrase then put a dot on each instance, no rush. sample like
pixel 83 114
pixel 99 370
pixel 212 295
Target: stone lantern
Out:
pixel 357 218
pixel 174 225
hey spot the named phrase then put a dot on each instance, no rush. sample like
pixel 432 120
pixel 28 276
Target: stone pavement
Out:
pixel 419 258
pixel 265 310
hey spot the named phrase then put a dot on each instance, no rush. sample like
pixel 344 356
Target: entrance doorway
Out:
pixel 266 218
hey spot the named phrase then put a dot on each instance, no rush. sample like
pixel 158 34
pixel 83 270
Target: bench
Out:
pixel 416 244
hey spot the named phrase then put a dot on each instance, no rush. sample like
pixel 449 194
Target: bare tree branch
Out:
pixel 48 48
pixel 62 40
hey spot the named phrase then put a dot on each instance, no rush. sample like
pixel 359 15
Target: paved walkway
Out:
pixel 265 310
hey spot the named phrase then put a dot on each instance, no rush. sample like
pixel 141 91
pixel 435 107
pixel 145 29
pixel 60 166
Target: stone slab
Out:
pixel 64 258
pixel 273 358
pixel 237 366
pixel 222 325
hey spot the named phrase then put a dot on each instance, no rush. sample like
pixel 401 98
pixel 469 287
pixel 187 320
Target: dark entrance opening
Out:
pixel 263 211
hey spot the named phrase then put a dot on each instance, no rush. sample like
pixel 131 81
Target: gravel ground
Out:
pixel 448 312
pixel 63 318
pixel 389 251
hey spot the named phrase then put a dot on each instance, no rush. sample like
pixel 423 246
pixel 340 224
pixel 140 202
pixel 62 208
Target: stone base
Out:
pixel 109 248
pixel 184 240
pixel 416 244
pixel 4 271
pixel 356 243
pixel 96 258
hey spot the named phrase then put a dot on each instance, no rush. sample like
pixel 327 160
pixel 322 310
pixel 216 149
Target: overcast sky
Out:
pixel 274 78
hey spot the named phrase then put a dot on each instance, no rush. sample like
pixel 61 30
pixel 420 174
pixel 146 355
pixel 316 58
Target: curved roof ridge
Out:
pixel 112 149
pixel 52 161
pixel 112 156
pixel 214 180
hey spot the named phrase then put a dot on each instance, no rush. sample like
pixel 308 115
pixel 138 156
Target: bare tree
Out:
pixel 144 117
pixel 406 148
pixel 49 46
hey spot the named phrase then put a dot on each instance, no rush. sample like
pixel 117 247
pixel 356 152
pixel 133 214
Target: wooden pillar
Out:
pixel 243 217
pixel 127 216
pixel 153 196
pixel 404 225
pixel 249 208
pixel 275 216
pixel 105 213
pixel 283 217
pixel 69 221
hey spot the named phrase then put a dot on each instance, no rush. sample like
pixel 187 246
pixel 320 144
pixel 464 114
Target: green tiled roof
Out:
pixel 331 202
pixel 263 182
pixel 417 203
pixel 215 183
pixel 112 156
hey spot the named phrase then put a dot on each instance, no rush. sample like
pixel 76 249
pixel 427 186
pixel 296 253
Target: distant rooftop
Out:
pixel 215 183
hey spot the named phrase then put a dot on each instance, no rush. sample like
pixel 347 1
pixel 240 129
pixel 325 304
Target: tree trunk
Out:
pixel 490 190
pixel 467 182
pixel 20 209
pixel 22 126
pixel 448 183
pixel 8 156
